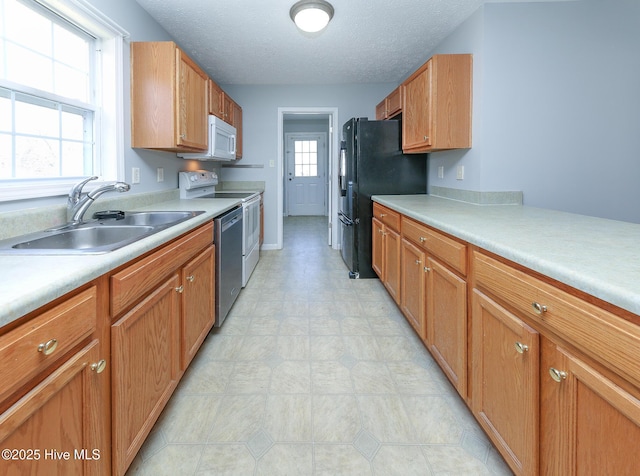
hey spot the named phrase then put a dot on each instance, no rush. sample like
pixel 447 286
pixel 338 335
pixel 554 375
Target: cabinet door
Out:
pixel 377 244
pixel 192 108
pixel 198 303
pixel 417 111
pixel 447 322
pixel 589 424
pixel 381 110
pixel 61 414
pixel 145 366
pixel 392 263
pixel 505 386
pixel 237 123
pixel 394 102
pixel 216 96
pixel 412 286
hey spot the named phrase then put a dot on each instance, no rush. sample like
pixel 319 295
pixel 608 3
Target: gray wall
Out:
pixel 260 127
pixel 556 105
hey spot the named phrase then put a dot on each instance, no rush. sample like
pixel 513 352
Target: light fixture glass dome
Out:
pixel 311 16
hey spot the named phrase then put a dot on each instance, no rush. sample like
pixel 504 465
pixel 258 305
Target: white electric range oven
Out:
pixel 201 184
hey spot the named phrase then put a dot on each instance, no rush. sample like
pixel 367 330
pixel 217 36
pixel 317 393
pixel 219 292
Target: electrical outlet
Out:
pixel 460 172
pixel 135 175
pixel 160 174
pixel 441 171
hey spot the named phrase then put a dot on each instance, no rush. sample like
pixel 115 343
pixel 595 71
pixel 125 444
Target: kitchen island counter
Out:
pixel 597 256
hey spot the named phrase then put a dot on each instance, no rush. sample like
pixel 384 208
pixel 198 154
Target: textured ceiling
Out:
pixel 255 41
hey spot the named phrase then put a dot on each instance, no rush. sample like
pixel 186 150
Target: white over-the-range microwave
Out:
pixel 222 142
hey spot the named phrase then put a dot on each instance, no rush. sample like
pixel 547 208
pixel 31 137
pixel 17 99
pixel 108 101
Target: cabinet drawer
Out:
pixel 387 216
pixel 448 250
pixel 32 347
pixel 131 284
pixel 600 334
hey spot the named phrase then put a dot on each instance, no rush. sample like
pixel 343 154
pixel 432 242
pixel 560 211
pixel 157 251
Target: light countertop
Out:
pixel 594 255
pixel 28 281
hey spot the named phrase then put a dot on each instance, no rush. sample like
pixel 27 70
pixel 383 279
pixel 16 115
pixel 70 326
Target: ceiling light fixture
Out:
pixel 311 16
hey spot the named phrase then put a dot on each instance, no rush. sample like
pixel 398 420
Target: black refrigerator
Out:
pixel 372 163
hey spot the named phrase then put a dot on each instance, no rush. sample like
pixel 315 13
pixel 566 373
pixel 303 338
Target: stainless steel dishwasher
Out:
pixel 228 240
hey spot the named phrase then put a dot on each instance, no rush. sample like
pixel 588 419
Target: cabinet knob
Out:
pixel 183 136
pixel 418 261
pixel 180 289
pixel 99 366
pixel 191 278
pixel 383 215
pixel 47 348
pixel 557 375
pixel 422 239
pixel 538 308
pixel 521 348
pixel 426 138
pixel 427 269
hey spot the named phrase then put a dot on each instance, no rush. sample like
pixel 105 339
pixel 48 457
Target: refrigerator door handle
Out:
pixel 345 219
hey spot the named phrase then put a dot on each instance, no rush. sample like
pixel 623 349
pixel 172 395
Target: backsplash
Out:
pixel 478 198
pixel 21 222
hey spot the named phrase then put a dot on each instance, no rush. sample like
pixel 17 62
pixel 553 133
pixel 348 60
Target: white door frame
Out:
pixel 333 148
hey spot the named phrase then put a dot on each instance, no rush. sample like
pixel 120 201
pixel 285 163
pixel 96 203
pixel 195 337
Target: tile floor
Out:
pixel 314 374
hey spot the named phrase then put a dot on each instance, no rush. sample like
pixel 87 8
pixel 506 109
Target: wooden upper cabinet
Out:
pixel 216 100
pixel 225 108
pixel 236 121
pixel 390 106
pixel 436 107
pixel 169 99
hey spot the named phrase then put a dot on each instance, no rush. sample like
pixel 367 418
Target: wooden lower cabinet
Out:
pixel 446 330
pixel 412 285
pixel 145 357
pixel 589 424
pixel 386 258
pixel 56 428
pixel 198 303
pixel 505 357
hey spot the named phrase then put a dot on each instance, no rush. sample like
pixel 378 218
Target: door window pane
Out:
pixel 306 158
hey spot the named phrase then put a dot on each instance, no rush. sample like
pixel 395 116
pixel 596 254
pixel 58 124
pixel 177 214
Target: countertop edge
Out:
pixel 583 276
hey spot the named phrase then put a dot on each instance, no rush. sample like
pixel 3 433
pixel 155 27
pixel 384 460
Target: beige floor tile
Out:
pixel 400 461
pixel 287 460
pixel 249 377
pixel 363 347
pixel 172 459
pixel 413 379
pixel 224 460
pixel 337 460
pixel 453 460
pixel 189 418
pixel 238 419
pixel 291 376
pixel 330 376
pixel 326 347
pixel 434 420
pixel 386 419
pixel 293 347
pixel 257 347
pixel 336 418
pixel 288 418
pixel 295 326
pixel 372 378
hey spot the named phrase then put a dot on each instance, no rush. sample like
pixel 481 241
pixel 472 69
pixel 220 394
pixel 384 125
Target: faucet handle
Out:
pixel 76 190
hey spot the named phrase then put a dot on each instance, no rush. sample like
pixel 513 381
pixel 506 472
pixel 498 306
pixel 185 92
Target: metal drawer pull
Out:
pixel 180 289
pixel 191 278
pixel 521 348
pixel 48 347
pixel 538 308
pixel 557 375
pixel 99 366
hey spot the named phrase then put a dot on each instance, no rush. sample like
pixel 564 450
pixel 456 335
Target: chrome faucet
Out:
pixel 78 203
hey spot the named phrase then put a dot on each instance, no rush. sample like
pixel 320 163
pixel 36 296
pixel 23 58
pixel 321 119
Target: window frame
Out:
pixel 109 106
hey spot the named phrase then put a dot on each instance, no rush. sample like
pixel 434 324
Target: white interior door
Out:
pixel 306 175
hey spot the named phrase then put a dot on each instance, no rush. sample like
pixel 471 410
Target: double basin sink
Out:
pixel 95 236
